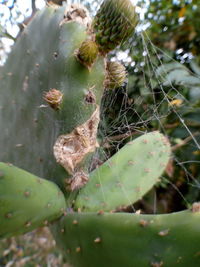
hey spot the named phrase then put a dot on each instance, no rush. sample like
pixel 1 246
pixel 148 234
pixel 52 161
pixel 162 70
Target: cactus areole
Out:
pixel 49 116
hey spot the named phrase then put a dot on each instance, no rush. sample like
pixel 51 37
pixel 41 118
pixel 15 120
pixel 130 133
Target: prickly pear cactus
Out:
pixel 51 88
pixel 50 94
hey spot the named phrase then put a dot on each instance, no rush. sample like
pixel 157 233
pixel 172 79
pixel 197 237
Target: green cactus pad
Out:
pixel 43 59
pixel 26 201
pixel 114 23
pixel 119 239
pixel 127 176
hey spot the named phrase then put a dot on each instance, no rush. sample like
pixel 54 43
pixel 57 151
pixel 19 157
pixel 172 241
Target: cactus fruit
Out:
pixel 114 22
pixel 123 179
pixel 27 201
pixel 121 239
pixel 115 75
pixel 87 53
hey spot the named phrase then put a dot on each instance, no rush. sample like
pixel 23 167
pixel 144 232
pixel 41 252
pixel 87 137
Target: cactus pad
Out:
pixel 26 201
pixel 120 239
pixel 127 176
pixel 47 96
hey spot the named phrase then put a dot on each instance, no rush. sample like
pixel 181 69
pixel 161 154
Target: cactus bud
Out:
pixel 116 75
pixel 114 22
pixel 87 53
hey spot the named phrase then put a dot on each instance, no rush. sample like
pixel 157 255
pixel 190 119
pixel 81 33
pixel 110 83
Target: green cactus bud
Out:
pixel 87 53
pixel 115 75
pixel 114 23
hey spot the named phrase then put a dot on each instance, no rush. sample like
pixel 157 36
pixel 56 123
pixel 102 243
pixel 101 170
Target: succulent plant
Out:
pixel 49 116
